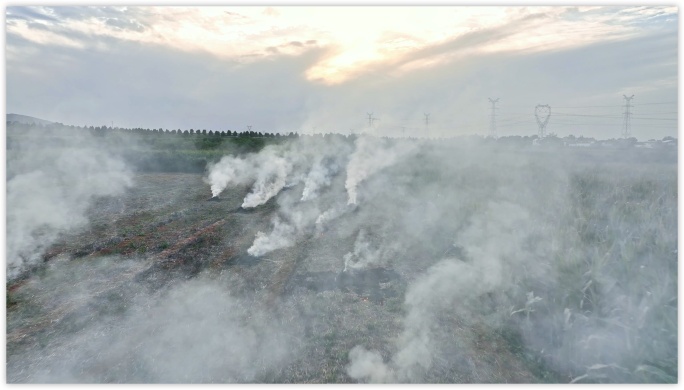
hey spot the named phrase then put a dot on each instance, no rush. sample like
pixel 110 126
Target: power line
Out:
pixel 655 119
pixel 585 106
pixel 543 113
pixel 427 124
pixel 588 115
pixel 627 132
pixel 652 104
pixel 492 123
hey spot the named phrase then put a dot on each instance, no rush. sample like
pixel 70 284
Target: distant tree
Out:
pixel 630 142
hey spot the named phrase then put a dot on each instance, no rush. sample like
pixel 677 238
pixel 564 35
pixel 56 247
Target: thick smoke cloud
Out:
pixel 49 191
pixel 398 260
pixel 501 241
pixel 319 177
pixel 450 284
pixel 308 163
pixel 270 179
pixel 229 170
pixel 370 156
pixel 193 332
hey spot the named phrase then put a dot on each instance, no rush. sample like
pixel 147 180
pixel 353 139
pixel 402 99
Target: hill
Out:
pixel 27 119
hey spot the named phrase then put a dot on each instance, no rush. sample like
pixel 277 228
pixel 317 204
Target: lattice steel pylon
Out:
pixel 627 130
pixel 543 113
pixel 492 122
pixel 427 125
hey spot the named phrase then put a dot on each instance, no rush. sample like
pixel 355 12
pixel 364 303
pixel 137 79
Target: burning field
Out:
pixel 344 260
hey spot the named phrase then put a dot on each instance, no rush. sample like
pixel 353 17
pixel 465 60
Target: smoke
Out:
pixel 329 215
pixel 230 170
pixel 370 156
pixel 274 168
pixel 298 218
pixel 283 235
pixel 452 285
pixel 368 365
pixel 462 262
pixel 196 331
pixel 319 177
pixel 364 255
pixel 49 193
pixel 268 172
pixel 313 163
pixel 271 178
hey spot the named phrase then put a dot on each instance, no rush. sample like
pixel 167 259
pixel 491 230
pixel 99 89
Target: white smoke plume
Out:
pixel 370 156
pixel 319 177
pixel 328 216
pixel 229 170
pixel 271 178
pixel 272 169
pixel 196 332
pixel 294 220
pixel 451 284
pixel 50 194
pixel 363 255
pixel 282 236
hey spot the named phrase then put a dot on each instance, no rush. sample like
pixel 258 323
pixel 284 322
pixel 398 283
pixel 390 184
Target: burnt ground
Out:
pixel 165 232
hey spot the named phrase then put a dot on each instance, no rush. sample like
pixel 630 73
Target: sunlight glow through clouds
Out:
pixel 353 39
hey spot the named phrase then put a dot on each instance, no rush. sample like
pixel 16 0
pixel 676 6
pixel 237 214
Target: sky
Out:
pixel 413 70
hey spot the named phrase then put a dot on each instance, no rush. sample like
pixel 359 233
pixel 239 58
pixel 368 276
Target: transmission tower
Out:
pixel 543 113
pixel 627 131
pixel 427 124
pixel 492 122
pixel 370 119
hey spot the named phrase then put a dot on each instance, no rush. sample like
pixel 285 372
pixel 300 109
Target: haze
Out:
pixel 320 69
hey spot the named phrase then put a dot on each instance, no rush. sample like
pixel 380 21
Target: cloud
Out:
pixel 28 14
pixel 125 24
pixel 238 31
pixel 226 68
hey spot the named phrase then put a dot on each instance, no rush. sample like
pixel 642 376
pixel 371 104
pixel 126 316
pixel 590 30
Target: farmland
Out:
pixel 340 260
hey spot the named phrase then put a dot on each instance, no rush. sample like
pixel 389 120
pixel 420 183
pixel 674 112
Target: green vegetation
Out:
pixel 155 150
pixel 614 270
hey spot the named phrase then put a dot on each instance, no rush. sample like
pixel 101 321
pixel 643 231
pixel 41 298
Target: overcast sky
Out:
pixel 324 69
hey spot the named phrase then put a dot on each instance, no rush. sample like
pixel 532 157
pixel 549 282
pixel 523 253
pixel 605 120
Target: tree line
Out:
pixel 101 130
